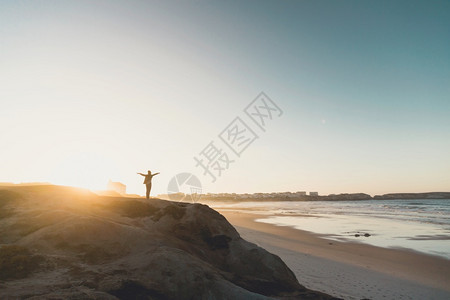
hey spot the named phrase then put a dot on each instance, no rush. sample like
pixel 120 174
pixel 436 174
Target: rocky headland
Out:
pixel 65 243
pixel 431 195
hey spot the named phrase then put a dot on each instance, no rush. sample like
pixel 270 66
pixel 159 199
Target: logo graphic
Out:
pixel 184 186
pixel 237 136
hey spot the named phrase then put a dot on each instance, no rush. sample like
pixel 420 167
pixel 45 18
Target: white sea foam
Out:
pixel 420 225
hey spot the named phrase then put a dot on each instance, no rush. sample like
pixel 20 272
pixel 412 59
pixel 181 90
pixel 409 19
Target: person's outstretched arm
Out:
pixel 155 174
pixel 141 174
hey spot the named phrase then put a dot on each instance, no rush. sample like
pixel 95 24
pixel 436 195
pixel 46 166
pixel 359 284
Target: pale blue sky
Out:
pixel 98 90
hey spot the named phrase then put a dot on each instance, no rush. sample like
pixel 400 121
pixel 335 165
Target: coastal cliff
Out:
pixel 64 243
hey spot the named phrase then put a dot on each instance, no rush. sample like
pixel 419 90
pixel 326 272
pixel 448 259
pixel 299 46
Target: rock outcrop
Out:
pixel 64 243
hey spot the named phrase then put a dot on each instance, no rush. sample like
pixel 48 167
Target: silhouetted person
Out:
pixel 148 182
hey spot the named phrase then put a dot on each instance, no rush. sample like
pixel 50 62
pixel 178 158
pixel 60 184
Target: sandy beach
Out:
pixel 348 270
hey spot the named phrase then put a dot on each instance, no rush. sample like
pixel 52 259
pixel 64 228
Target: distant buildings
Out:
pixel 117 187
pixel 275 196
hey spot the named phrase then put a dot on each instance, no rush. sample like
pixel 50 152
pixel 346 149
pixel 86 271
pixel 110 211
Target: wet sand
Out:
pixel 345 269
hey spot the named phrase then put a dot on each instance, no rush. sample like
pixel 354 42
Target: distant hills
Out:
pixel 287 196
pixel 279 196
pixel 431 195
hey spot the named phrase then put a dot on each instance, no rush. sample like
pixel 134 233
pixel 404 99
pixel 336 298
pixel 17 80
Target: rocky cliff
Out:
pixel 64 243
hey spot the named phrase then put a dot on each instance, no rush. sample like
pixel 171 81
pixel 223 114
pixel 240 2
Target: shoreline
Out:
pixel 346 269
pixel 302 196
pixel 413 225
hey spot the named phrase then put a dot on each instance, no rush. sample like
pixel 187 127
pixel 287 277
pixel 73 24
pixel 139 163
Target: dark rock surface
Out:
pixel 64 243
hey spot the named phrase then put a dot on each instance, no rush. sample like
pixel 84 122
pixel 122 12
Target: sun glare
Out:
pixel 85 170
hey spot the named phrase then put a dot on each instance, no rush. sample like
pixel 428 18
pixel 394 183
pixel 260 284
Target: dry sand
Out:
pixel 348 270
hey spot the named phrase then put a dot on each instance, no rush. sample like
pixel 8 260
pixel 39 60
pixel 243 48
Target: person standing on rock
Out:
pixel 148 182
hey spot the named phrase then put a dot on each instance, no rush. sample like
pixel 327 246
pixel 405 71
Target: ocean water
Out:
pixel 422 225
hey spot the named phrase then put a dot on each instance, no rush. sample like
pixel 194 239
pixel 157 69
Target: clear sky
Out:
pixel 99 90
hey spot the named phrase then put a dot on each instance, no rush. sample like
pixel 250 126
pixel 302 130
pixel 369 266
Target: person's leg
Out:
pixel 149 187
